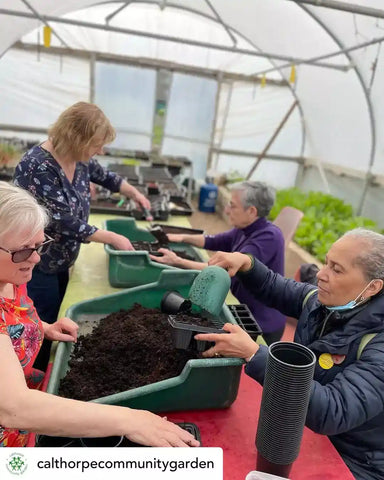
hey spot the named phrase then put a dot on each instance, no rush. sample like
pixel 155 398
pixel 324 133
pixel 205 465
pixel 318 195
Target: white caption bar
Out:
pixel 116 463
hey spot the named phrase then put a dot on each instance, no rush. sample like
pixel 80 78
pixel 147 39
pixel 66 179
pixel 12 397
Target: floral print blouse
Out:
pixel 19 320
pixel 67 202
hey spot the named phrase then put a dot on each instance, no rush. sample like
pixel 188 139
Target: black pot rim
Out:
pixel 296 347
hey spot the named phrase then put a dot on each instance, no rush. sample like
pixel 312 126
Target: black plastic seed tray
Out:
pixel 177 229
pixel 155 174
pixel 48 441
pixel 245 319
pixel 183 335
pixel 175 192
pixel 110 207
pixel 127 171
pixel 180 207
pixel 153 188
pixel 159 208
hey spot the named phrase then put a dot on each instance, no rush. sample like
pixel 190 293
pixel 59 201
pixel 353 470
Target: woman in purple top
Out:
pixel 58 174
pixel 250 204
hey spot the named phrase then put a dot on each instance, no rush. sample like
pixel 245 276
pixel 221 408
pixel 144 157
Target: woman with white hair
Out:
pixel 342 322
pixel 252 233
pixel 23 408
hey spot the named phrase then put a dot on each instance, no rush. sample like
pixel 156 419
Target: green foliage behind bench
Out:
pixel 325 219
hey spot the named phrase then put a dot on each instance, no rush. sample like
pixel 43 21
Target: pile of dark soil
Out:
pixel 128 349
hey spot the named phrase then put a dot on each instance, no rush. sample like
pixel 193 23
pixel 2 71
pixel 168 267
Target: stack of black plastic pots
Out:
pixel 284 405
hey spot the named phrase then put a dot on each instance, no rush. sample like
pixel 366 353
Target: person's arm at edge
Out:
pixel 40 412
pixel 119 242
pixel 131 192
pixel 195 240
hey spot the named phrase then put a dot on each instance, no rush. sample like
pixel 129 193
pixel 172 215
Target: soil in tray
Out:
pixel 194 320
pixel 128 349
pixel 154 247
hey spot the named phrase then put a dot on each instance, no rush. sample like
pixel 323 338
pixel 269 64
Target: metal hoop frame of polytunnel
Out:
pixel 315 62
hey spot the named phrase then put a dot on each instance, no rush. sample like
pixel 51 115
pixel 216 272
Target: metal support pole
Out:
pixel 212 139
pixel 272 139
pixel 184 41
pixel 269 156
pixel 92 77
pixel 225 26
pixel 109 17
pixel 346 7
pixel 327 55
pixel 43 20
pixel 225 118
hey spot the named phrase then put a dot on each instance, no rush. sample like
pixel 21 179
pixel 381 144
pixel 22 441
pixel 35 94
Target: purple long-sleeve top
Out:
pixel 265 241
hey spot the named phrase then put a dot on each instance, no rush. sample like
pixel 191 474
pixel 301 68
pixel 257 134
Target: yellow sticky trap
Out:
pixel 292 76
pixel 263 81
pixel 47 34
pixel 326 361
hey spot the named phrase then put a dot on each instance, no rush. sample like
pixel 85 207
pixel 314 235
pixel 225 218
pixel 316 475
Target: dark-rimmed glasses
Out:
pixel 19 256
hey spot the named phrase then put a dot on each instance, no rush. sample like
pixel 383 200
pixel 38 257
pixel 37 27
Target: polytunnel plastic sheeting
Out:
pixel 148 18
pixel 254 114
pixel 189 123
pixel 37 93
pixel 285 27
pixel 277 173
pixel 131 115
pixel 337 120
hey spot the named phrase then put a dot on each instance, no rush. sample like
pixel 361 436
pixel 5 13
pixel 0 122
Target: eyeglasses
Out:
pixel 19 256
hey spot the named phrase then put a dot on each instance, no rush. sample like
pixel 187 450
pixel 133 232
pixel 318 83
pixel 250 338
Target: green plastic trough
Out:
pixel 203 383
pixel 132 268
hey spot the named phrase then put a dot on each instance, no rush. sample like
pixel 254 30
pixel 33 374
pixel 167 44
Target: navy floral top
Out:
pixel 67 203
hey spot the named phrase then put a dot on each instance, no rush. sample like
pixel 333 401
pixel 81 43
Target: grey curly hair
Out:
pixel 256 194
pixel 371 258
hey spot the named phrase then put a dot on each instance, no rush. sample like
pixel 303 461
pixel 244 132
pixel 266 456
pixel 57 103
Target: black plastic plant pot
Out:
pixel 192 428
pixel 173 303
pixel 183 335
pixel 159 234
pixel 246 320
pixel 287 386
pixel 113 441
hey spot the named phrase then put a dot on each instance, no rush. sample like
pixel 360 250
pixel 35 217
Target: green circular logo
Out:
pixel 17 464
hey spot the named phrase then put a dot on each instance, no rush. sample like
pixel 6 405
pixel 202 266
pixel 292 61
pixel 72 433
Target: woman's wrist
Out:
pixel 248 263
pixel 249 357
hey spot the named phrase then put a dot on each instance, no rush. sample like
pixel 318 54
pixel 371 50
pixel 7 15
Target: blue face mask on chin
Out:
pixel 350 305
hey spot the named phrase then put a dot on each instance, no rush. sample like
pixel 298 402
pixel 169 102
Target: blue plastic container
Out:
pixel 208 197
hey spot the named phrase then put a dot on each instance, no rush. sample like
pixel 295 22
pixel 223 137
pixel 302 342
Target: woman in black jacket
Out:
pixel 334 321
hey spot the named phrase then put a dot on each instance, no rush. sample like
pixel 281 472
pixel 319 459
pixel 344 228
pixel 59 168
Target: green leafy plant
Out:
pixel 7 154
pixel 326 218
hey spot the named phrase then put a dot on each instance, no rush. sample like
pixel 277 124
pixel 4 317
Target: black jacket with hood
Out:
pixel 347 400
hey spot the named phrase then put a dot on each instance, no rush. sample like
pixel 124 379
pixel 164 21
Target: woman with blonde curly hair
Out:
pixel 58 173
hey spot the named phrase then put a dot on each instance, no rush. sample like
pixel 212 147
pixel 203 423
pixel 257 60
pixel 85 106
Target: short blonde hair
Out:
pixel 77 127
pixel 20 212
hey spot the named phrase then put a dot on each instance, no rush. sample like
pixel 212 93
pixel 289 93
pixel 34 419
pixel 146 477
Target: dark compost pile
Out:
pixel 127 349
